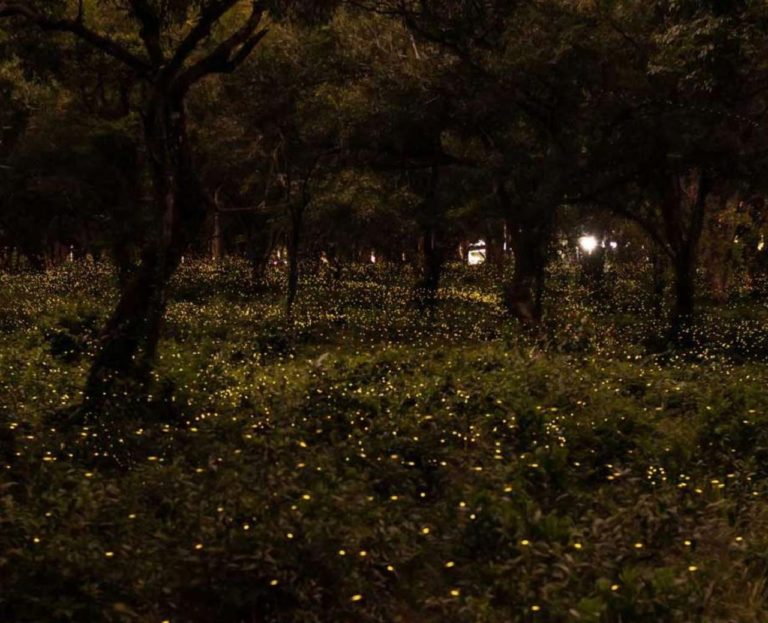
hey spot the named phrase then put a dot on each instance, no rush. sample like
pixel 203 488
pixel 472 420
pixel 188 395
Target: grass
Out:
pixel 368 463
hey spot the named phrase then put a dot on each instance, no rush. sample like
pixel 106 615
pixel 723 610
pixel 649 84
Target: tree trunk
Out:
pixel 523 292
pixel 689 192
pixel 217 237
pixel 659 282
pixel 129 341
pixel 683 309
pixel 433 257
pixel 494 245
pixel 528 229
pixel 431 246
pixel 593 273
pixel 262 247
pixel 294 241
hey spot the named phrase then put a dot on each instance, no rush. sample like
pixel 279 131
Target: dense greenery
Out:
pixel 368 463
pixel 383 311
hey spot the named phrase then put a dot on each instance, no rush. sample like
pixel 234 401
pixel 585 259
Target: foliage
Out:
pixel 367 464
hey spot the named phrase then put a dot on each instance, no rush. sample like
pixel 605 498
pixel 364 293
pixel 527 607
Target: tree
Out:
pixel 515 78
pixel 167 68
pixel 681 96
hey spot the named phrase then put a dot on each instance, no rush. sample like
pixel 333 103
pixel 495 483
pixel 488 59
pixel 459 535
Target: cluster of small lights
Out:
pixel 417 431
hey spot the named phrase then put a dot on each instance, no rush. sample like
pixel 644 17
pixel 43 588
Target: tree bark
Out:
pixel 529 230
pixel 431 246
pixel 129 341
pixel 684 209
pixel 683 308
pixel 433 258
pixel 217 237
pixel 523 292
pixel 494 246
pixel 262 245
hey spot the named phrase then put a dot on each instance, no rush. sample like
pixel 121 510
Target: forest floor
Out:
pixel 368 462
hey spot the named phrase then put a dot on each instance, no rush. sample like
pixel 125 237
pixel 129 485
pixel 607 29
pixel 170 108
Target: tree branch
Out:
pixel 150 30
pixel 208 17
pixel 229 54
pixel 78 28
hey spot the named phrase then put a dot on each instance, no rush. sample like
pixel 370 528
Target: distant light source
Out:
pixel 761 243
pixel 588 243
pixel 373 257
pixel 614 244
pixel 476 253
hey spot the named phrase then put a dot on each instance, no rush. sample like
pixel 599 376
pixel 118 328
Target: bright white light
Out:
pixel 373 257
pixel 475 257
pixel 476 253
pixel 588 243
pixel 614 244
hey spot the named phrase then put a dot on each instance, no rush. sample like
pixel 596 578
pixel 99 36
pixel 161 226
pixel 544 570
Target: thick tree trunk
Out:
pixel 529 229
pixel 431 246
pixel 683 307
pixel 121 256
pixel 684 211
pixel 129 340
pixel 523 292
